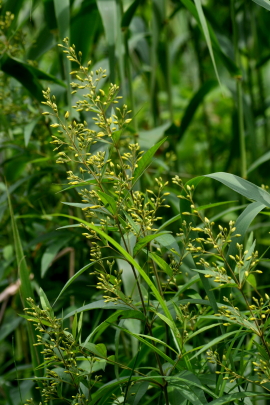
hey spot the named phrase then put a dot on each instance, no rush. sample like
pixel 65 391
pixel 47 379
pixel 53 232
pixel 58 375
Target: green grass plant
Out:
pixel 128 273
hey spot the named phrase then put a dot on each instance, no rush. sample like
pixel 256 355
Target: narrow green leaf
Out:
pixel 237 395
pixel 194 103
pixel 27 75
pixel 99 305
pixel 206 35
pixel 26 290
pixel 263 3
pixel 76 275
pixel 74 325
pixel 169 222
pixel 146 161
pixel 242 186
pixel 128 257
pixel 227 62
pixel 108 200
pixel 129 14
pixel 264 158
pixel 51 252
pixel 204 207
pixel 28 129
pixel 242 224
pixel 161 263
pixel 213 342
pixel 144 241
pixel 46 306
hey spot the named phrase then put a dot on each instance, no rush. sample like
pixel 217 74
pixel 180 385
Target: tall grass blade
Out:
pixel 26 290
pixel 263 3
pixel 206 35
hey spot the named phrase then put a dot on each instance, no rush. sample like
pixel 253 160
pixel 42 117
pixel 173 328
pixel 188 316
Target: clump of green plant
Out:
pixel 162 317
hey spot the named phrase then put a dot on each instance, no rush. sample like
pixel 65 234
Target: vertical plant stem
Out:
pixel 239 97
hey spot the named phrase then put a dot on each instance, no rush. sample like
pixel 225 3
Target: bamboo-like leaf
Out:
pixel 146 160
pixel 161 263
pixel 213 342
pixel 144 241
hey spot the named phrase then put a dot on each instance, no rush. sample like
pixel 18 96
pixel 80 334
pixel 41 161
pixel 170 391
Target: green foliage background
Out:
pixel 196 74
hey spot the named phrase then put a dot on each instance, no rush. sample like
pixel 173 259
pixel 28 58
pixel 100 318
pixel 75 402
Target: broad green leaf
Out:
pixel 144 241
pixel 146 161
pixel 243 187
pixel 206 35
pixel 194 103
pixel 263 3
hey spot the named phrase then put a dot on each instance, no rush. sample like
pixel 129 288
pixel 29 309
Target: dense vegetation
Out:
pixel 134 205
